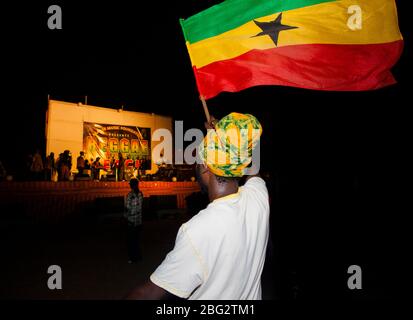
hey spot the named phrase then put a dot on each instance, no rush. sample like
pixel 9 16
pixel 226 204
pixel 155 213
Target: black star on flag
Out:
pixel 273 28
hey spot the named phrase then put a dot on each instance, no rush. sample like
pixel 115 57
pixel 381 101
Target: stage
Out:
pixel 53 201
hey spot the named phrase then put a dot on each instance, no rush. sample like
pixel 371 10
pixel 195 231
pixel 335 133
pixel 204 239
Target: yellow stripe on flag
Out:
pixel 326 23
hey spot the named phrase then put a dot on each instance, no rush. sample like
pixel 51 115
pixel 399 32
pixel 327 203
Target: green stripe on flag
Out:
pixel 231 14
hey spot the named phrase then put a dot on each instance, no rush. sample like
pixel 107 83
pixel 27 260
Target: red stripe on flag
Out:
pixel 316 66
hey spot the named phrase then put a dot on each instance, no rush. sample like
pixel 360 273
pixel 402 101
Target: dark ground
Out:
pixel 92 255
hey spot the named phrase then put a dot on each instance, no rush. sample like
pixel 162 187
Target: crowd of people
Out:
pixel 91 168
pixel 60 168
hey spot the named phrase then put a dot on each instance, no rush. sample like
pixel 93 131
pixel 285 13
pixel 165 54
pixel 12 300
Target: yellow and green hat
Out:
pixel 227 150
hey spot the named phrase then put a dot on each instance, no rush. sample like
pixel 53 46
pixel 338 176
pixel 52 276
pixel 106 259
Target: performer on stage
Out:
pixel 80 163
pixel 220 252
pixel 121 168
pixel 96 167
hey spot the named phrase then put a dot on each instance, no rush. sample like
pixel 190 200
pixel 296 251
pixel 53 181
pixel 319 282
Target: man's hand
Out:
pixel 211 124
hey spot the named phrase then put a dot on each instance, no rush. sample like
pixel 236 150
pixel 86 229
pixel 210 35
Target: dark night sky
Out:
pixel 324 147
pixel 124 54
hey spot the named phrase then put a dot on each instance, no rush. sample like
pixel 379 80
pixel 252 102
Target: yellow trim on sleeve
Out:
pixel 168 287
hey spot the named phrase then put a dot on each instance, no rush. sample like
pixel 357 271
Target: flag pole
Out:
pixel 204 104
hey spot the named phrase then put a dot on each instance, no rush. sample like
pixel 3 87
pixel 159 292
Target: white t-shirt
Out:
pixel 219 254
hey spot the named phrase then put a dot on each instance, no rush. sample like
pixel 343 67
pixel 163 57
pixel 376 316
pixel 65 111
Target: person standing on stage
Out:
pixel 65 165
pixel 80 163
pixel 121 168
pixel 87 164
pixel 112 164
pixel 50 167
pixel 219 254
pixel 133 216
pixel 37 166
pixel 96 166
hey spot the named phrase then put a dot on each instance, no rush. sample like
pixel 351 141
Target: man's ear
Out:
pixel 206 173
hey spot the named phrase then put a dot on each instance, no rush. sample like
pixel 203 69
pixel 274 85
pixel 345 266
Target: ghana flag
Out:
pixel 339 45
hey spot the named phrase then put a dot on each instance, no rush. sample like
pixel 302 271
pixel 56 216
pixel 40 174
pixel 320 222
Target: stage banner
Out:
pixel 109 141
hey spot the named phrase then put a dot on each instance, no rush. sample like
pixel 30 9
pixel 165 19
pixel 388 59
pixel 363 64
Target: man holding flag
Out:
pixel 220 253
pixel 333 45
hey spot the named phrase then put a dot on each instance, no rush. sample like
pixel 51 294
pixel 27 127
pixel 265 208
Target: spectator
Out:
pixel 133 215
